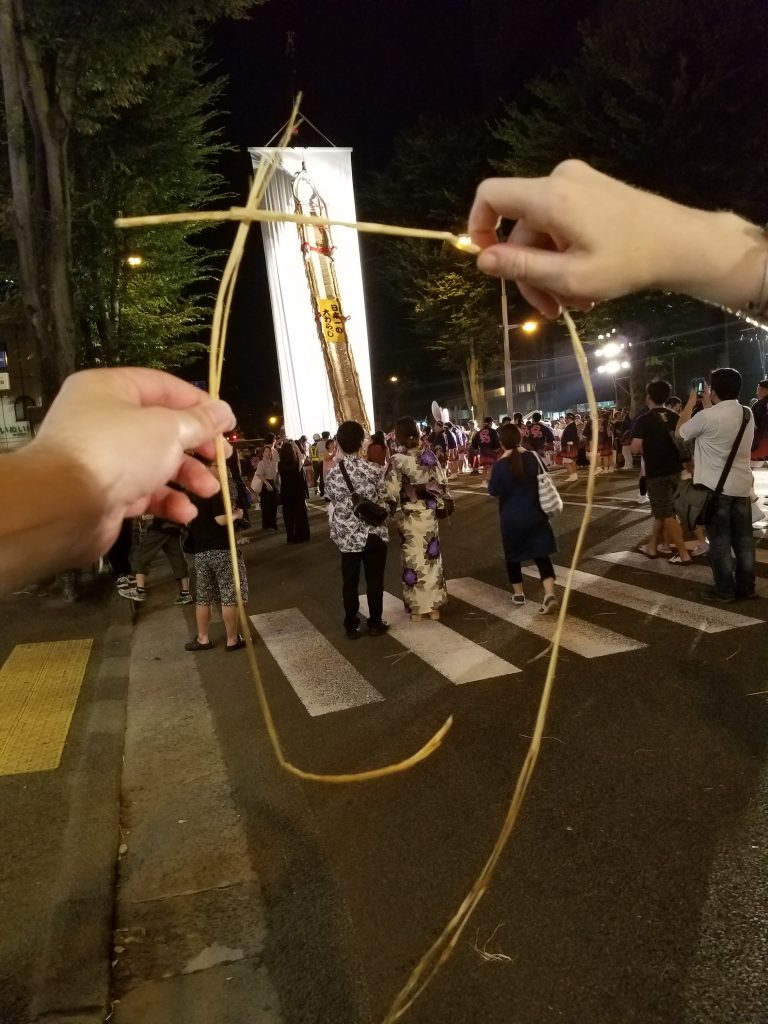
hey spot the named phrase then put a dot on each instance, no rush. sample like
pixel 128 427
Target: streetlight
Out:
pixel 529 326
pixel 134 260
pixel 393 379
pixel 273 421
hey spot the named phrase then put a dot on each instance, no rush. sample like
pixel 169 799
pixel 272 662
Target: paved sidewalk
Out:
pixel 190 923
pixel 60 826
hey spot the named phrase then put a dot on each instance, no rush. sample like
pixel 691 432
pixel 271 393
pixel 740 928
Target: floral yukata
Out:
pixel 417 482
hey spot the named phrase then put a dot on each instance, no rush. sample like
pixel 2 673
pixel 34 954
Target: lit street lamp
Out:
pixel 529 326
pixel 134 260
pixel 393 379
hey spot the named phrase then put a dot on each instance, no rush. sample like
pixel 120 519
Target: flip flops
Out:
pixel 644 551
pixel 677 560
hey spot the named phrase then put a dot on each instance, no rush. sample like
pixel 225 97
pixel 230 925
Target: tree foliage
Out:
pixel 450 309
pixel 154 157
pixel 78 78
pixel 668 95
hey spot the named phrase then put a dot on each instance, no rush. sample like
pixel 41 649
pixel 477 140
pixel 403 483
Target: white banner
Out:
pixel 307 400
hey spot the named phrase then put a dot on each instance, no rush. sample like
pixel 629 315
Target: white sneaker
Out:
pixel 125 582
pixel 133 594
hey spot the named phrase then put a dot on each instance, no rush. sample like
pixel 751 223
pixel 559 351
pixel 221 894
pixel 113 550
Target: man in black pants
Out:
pixel 359 542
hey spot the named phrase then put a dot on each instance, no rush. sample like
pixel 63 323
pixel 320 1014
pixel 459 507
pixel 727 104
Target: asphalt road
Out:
pixel 634 888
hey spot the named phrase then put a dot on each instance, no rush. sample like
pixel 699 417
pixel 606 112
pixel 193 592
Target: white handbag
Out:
pixel 256 485
pixel 550 502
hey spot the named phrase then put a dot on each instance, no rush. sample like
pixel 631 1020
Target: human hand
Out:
pixel 127 430
pixel 581 236
pixel 706 396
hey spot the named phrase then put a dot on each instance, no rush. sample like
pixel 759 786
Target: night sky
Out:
pixel 367 71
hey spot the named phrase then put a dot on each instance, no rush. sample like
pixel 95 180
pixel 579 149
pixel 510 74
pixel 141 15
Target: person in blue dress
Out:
pixel 526 534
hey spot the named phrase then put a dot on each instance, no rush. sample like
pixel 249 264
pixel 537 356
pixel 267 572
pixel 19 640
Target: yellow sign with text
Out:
pixel 331 320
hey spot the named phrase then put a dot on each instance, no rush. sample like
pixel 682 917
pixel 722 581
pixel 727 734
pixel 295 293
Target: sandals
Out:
pixel 239 643
pixel 677 560
pixel 195 645
pixel 643 549
pixel 518 599
pixel 548 605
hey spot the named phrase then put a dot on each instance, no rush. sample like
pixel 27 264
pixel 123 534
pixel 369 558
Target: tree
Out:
pixel 668 95
pixel 153 157
pixel 450 308
pixel 72 66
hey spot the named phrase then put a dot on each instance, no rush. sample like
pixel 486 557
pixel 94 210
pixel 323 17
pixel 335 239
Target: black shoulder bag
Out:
pixel 695 504
pixel 366 510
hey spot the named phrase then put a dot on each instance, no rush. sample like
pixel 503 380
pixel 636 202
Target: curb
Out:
pixel 73 980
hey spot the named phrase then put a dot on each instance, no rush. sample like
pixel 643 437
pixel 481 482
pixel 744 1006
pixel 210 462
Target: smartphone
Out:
pixel 700 388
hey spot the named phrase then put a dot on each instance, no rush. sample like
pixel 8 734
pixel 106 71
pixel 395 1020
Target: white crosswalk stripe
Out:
pixel 322 678
pixel 699 574
pixel 694 615
pixel 584 638
pixel 460 660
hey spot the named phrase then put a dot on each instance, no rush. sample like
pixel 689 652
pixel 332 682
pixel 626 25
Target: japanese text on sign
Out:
pixel 331 320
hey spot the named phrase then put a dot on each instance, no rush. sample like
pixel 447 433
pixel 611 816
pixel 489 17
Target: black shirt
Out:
pixel 205 533
pixel 660 453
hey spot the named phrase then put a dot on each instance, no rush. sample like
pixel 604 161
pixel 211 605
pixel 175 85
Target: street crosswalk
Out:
pixel 317 667
pixel 579 636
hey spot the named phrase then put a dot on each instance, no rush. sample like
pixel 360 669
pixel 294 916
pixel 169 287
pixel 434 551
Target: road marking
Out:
pixel 460 660
pixel 700 574
pixel 39 687
pixel 613 508
pixel 674 609
pixel 584 638
pixel 322 678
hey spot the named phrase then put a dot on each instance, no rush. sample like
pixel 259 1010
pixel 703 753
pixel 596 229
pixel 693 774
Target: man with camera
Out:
pixel 723 428
pixel 352 486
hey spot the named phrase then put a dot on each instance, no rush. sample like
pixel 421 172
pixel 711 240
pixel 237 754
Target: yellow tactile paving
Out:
pixel 39 686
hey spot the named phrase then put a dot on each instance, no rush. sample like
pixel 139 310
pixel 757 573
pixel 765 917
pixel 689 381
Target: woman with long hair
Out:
pixel 416 482
pixel 293 491
pixel 526 534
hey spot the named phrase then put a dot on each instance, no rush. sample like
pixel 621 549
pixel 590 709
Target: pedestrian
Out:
pixel 321 445
pixel 729 529
pixel 486 444
pixel 569 446
pixel 362 545
pixel 377 450
pixel 416 484
pixel 266 480
pixel 653 438
pixel 160 535
pixel 759 453
pixel 526 533
pixel 540 437
pixel 293 494
pixel 214 578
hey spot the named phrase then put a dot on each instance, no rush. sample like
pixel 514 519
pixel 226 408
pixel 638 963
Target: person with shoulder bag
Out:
pixel 526 533
pixel 356 491
pixel 719 496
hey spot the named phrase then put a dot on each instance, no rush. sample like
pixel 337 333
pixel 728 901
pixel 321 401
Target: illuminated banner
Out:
pixel 316 288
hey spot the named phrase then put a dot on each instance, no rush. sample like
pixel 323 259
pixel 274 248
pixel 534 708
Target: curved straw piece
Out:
pixel 443 946
pixel 215 367
pixel 248 214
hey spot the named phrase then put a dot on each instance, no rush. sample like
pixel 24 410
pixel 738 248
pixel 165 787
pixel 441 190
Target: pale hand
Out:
pixel 581 236
pixel 128 430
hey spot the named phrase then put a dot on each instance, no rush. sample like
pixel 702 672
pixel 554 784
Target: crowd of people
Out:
pixel 406 472
pixel 124 442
